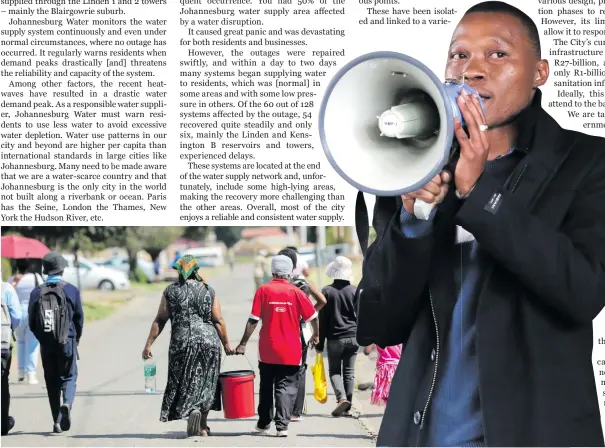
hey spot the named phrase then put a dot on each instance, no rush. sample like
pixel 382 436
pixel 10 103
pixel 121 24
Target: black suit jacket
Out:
pixel 545 236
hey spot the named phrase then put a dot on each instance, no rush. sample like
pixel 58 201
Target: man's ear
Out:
pixel 542 72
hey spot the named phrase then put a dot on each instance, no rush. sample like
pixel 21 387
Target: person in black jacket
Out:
pixel 494 295
pixel 338 324
pixel 60 361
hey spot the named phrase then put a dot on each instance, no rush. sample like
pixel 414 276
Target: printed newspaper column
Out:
pixel 393 12
pixel 83 100
pixel 251 79
pixel 577 42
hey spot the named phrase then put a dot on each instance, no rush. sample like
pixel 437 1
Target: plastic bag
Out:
pixel 319 379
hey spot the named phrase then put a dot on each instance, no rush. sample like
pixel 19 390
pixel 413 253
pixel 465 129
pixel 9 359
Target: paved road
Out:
pixel 369 415
pixel 111 408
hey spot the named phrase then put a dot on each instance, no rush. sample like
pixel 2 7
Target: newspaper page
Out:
pixel 137 132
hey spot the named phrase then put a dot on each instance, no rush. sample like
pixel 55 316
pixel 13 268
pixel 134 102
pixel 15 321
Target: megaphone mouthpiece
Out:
pixel 416 119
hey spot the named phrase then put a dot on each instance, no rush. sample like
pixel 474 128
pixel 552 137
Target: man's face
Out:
pixel 496 57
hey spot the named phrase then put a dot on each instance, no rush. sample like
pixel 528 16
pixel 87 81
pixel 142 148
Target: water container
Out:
pixel 149 367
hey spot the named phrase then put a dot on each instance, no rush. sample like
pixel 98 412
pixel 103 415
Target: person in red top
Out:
pixel 281 306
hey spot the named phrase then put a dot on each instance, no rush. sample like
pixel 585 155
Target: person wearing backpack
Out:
pixel 11 318
pixel 56 319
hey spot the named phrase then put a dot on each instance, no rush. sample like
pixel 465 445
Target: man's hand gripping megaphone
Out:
pixel 466 163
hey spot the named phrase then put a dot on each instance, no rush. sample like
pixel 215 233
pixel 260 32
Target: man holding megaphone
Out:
pixel 495 293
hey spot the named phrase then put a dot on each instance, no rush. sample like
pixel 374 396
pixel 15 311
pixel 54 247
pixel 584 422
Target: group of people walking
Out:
pixel 295 315
pixel 45 316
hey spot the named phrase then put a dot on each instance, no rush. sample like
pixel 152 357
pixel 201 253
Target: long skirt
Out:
pixel 192 379
pixel 382 384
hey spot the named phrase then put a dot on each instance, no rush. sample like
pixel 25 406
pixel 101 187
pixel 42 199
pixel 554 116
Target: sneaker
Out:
pixel 342 407
pixel 262 431
pixel 21 377
pixel 65 417
pixel 282 433
pixel 193 423
pixel 57 428
pixel 32 379
pixel 296 418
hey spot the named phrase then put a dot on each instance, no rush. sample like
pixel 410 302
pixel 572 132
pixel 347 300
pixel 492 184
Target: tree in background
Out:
pixel 312 234
pixel 153 240
pixel 133 239
pixel 228 235
pixel 196 233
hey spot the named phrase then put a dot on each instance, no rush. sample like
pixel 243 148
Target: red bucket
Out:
pixel 238 394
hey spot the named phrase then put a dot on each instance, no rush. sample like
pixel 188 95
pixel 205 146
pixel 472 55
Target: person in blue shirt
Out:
pixel 11 301
pixel 59 360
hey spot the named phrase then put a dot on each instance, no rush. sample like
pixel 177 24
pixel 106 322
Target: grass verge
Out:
pixel 101 309
pixel 150 287
pixel 100 305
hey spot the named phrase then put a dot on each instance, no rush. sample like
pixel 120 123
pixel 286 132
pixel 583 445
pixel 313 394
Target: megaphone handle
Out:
pixel 422 210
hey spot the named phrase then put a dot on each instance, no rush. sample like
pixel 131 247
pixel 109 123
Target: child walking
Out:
pixel 386 364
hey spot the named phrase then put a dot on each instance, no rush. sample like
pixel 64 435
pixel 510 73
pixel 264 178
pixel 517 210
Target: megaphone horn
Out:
pixel 386 124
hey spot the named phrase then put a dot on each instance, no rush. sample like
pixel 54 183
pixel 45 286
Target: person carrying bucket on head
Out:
pixel 280 305
pixel 198 329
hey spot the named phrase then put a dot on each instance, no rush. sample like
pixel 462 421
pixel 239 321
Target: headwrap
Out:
pixel 187 266
pixel 281 265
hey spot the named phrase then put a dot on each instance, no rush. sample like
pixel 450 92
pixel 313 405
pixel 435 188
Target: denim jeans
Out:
pixel 342 354
pixel 60 375
pixel 28 347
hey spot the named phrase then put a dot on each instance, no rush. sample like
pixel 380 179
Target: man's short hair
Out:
pixel 505 8
pixel 290 253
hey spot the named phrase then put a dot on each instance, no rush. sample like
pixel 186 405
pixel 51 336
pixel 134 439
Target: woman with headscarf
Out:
pixel 194 355
pixel 338 324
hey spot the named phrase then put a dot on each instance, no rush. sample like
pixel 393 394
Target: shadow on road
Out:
pixel 112 394
pixel 88 394
pixel 165 435
pixel 24 433
pixel 337 436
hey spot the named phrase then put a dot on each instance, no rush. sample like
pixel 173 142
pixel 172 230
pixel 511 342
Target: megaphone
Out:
pixel 386 124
